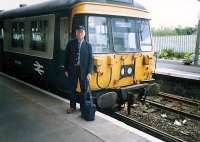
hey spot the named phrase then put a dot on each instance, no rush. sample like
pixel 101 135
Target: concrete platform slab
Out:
pixel 177 73
pixel 30 114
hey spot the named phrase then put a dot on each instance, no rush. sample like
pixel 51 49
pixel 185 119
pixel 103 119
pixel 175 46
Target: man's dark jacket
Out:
pixel 71 57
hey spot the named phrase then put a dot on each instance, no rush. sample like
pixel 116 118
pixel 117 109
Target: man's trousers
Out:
pixel 73 76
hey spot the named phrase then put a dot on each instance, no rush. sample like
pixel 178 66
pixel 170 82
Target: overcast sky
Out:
pixel 173 12
pixel 165 13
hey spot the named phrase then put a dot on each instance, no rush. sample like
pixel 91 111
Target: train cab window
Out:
pixel 98 34
pixel 126 1
pixel 145 36
pixel 17 35
pixel 39 33
pixel 124 35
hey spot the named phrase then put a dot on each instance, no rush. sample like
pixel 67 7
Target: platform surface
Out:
pixel 29 114
pixel 178 73
pixel 177 69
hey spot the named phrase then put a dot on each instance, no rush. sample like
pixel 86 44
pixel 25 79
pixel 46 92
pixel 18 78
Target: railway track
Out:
pixel 147 117
pixel 183 106
pixel 178 98
pixel 145 128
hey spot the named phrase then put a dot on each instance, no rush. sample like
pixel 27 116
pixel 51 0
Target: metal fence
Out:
pixel 185 43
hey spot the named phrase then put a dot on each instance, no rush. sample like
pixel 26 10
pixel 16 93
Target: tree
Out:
pixel 185 31
pixel 166 31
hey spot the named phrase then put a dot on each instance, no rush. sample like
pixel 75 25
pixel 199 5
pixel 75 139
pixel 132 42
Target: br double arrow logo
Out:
pixel 38 67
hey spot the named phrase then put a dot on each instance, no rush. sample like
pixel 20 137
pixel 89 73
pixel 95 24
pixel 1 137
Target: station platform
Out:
pixel 177 69
pixel 30 114
pixel 177 73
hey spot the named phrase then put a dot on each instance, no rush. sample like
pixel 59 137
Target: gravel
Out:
pixel 169 122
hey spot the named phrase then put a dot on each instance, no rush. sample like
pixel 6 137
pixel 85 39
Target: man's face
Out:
pixel 80 35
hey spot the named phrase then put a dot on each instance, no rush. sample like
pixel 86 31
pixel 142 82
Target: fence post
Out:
pixel 196 58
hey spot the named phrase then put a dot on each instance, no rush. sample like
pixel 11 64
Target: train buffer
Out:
pixel 30 114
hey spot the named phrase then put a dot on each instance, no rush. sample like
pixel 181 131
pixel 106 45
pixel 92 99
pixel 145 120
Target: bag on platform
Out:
pixel 89 109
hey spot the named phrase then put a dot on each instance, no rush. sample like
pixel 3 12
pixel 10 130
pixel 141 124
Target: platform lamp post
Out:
pixel 197 49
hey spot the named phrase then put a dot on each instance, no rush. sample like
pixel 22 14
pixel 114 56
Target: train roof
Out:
pixel 58 5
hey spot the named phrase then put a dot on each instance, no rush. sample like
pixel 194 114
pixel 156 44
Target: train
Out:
pixel 34 38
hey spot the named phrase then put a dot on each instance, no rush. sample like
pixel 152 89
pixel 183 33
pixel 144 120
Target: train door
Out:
pixel 1 44
pixel 61 80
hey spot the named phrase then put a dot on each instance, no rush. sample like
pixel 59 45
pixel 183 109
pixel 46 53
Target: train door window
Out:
pixel 39 35
pixel 1 38
pixel 145 36
pixel 17 35
pixel 124 34
pixel 98 34
pixel 1 33
pixel 64 32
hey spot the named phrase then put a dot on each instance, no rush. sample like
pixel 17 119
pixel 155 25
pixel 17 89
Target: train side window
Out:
pixel 39 35
pixel 98 34
pixel 30 35
pixel 17 35
pixel 145 36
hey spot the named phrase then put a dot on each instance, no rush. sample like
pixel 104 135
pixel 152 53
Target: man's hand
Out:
pixel 66 73
pixel 89 77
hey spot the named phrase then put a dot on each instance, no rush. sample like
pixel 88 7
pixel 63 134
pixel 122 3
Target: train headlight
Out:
pixel 126 71
pixel 129 70
pixel 122 71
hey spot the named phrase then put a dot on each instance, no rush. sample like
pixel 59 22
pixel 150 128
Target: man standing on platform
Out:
pixel 78 65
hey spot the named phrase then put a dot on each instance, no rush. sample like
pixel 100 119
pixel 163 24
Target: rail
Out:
pixel 145 128
pixel 193 116
pixel 178 98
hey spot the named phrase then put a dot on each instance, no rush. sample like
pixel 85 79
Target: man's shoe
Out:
pixel 70 110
